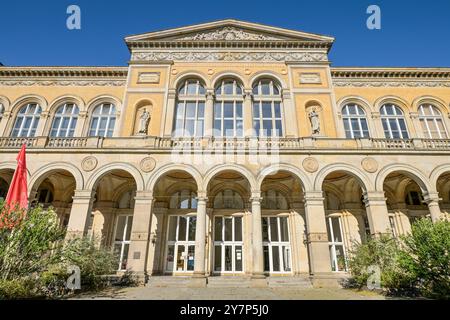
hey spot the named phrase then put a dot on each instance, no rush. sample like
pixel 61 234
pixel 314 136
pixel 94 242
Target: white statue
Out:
pixel 315 122
pixel 145 117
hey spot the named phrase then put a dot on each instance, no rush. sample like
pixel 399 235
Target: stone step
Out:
pixel 290 282
pixel 168 281
pixel 229 282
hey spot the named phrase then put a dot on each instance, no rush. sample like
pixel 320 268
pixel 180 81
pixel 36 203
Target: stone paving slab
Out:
pixel 145 293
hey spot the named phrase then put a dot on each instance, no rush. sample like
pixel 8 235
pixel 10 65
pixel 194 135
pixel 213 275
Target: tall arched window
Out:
pixel 27 120
pixel 267 114
pixel 228 119
pixel 432 123
pixel 2 110
pixel 393 121
pixel 65 121
pixel 184 199
pixel 190 109
pixel 103 120
pixel 228 199
pixel 355 122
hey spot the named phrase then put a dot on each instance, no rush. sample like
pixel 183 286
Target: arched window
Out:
pixel 228 199
pixel 432 123
pixel 65 121
pixel 126 200
pixel 274 200
pixel 2 110
pixel 190 109
pixel 393 121
pixel 27 121
pixel 355 122
pixel 228 119
pixel 414 198
pixel 103 120
pixel 267 114
pixel 184 199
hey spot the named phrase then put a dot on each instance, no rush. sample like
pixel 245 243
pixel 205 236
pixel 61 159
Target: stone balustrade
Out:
pixel 249 143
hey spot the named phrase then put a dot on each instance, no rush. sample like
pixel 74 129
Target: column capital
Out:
pixel 431 197
pixel 172 93
pixel 144 195
pixel 256 200
pixel 248 94
pixel 370 196
pixel 313 196
pixel 83 195
pixel 210 94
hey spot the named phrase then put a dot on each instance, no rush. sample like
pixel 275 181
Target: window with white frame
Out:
pixel 432 123
pixel 276 245
pixel 267 113
pixel 393 121
pixel 122 239
pixel 65 121
pixel 273 200
pixel 228 199
pixel 355 121
pixel 228 244
pixel 183 199
pixel 103 120
pixel 27 121
pixel 180 251
pixel 190 109
pixel 336 244
pixel 228 118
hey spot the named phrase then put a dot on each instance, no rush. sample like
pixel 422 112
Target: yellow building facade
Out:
pixel 230 150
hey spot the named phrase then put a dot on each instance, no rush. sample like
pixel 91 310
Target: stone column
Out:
pixel 156 251
pixel 247 114
pixel 209 113
pixel 80 213
pixel 168 125
pixel 417 131
pixel 200 238
pixel 257 241
pixel 377 213
pixel 378 126
pixel 319 252
pixel 290 116
pixel 140 233
pixel 432 200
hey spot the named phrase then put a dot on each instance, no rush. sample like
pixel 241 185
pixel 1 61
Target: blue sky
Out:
pixel 414 33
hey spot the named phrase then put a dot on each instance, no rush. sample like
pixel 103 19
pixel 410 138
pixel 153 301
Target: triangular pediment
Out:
pixel 228 30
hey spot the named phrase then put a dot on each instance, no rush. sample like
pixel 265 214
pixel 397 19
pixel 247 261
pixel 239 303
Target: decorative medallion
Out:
pixel 174 71
pixel 210 71
pixel 370 165
pixel 89 163
pixel 310 165
pixel 148 164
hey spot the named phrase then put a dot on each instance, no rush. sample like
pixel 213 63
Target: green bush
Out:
pixel 31 246
pixel 34 257
pixel 425 256
pixel 415 264
pixel 94 261
pixel 16 289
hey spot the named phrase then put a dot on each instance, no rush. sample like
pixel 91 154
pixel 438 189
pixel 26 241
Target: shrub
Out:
pixel 21 288
pixel 426 257
pixel 94 261
pixel 416 264
pixel 31 246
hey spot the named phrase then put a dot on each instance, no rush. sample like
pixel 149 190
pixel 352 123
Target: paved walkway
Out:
pixel 144 293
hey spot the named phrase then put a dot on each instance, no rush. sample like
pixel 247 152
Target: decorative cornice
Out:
pixel 230 56
pixel 63 76
pixel 391 77
pixel 218 44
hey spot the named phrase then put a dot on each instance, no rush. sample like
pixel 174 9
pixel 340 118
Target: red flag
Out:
pixel 18 191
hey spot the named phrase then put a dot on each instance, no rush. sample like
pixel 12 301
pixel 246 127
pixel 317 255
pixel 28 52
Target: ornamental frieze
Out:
pixel 383 84
pixel 65 83
pixel 229 56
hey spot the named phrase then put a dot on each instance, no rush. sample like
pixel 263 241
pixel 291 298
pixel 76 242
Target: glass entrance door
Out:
pixel 228 245
pixel 181 244
pixel 276 245
pixel 122 239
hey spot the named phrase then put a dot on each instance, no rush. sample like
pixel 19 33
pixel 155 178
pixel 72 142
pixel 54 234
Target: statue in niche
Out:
pixel 315 122
pixel 143 123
